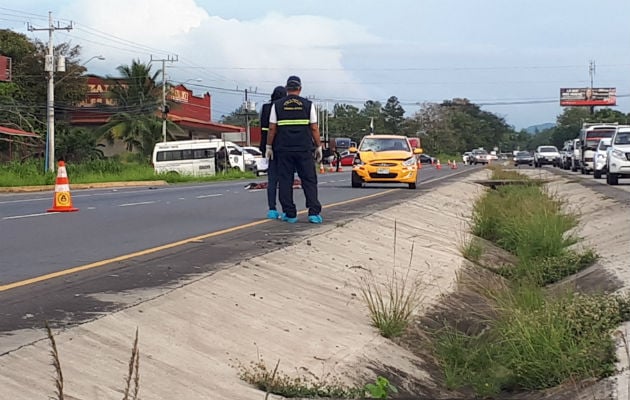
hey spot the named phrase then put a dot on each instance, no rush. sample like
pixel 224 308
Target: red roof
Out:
pixel 17 132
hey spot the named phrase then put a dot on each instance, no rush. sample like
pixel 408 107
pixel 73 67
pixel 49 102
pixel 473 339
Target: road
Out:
pixel 115 222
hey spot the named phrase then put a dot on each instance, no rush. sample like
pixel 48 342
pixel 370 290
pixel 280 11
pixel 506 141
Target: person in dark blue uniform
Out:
pixel 272 174
pixel 293 137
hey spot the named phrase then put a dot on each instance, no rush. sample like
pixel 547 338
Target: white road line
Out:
pixel 208 195
pixel 29 215
pixel 136 204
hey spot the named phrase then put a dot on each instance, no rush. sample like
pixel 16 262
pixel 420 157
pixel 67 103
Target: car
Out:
pixel 479 156
pixel 385 159
pixel 346 160
pixel 618 157
pixel 261 162
pixel 523 158
pixel 546 155
pixel 425 159
pixel 600 157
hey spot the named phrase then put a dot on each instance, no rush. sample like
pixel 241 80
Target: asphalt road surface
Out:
pixel 123 239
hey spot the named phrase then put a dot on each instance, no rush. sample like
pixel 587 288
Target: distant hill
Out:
pixel 539 128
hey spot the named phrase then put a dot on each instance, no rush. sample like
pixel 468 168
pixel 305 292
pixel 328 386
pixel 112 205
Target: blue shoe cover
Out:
pixel 315 219
pixel 289 220
pixel 273 214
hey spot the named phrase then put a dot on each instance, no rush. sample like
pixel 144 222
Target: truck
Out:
pixel 546 155
pixel 590 135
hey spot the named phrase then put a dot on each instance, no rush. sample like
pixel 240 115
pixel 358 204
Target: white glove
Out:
pixel 269 152
pixel 319 155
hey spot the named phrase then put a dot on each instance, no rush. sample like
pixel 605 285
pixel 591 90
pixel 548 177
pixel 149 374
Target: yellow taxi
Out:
pixel 385 159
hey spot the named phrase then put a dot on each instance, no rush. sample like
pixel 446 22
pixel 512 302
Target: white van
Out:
pixel 200 157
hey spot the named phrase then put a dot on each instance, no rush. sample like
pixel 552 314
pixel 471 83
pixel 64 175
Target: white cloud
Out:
pixel 224 52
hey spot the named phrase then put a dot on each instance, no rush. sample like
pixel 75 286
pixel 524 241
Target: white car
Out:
pixel 261 162
pixel 600 157
pixel 618 162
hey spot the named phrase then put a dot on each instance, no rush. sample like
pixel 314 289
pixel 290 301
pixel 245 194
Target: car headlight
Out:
pixel 618 154
pixel 410 162
pixel 357 161
pixel 249 162
pixel 601 156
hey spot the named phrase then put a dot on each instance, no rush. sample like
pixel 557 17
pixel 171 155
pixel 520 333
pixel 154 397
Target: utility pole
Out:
pixel 591 72
pixel 247 135
pixel 49 66
pixel 165 109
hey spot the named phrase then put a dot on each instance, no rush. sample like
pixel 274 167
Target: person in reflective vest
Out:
pixel 272 174
pixel 295 143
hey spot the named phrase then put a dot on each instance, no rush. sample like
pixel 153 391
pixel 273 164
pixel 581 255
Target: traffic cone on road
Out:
pixel 322 170
pixel 438 165
pixel 454 164
pixel 62 201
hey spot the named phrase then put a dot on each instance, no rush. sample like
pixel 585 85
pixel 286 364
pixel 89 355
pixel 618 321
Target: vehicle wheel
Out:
pixel 412 185
pixel 357 182
pixel 612 179
pixel 597 174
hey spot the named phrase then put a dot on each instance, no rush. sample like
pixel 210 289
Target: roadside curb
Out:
pixel 97 185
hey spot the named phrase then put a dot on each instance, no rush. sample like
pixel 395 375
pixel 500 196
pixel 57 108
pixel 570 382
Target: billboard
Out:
pixel 5 69
pixel 588 97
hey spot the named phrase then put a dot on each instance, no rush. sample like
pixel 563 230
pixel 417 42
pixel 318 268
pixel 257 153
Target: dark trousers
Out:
pixel 272 183
pixel 302 162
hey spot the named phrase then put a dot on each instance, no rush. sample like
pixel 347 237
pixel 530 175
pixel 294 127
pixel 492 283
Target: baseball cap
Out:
pixel 294 82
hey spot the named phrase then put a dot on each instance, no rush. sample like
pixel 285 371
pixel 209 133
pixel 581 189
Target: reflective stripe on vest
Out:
pixel 294 122
pixel 265 129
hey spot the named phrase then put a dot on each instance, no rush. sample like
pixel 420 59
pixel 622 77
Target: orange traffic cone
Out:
pixel 62 202
pixel 419 165
pixel 438 165
pixel 448 163
pixel 322 170
pixel 454 165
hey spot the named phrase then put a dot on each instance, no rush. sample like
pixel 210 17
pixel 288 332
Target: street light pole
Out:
pixel 49 66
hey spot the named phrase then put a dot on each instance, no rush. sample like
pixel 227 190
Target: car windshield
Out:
pixel 622 138
pixel 254 152
pixel 480 152
pixel 603 145
pixel 548 149
pixel 384 144
pixel 522 154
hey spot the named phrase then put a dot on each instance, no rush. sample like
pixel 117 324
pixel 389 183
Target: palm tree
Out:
pixel 138 100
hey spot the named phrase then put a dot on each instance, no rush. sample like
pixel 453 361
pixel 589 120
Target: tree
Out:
pixel 347 121
pixel 138 103
pixel 238 117
pixel 76 145
pixel 393 115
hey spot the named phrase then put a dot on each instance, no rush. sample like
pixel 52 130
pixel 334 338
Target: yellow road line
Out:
pixel 124 257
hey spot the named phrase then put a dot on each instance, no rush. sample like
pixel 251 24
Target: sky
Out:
pixel 509 56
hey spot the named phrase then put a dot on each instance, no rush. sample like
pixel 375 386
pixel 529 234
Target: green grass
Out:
pixel 274 381
pixel 32 174
pixel 537 342
pixel 536 338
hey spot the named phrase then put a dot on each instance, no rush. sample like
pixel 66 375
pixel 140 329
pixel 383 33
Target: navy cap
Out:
pixel 294 82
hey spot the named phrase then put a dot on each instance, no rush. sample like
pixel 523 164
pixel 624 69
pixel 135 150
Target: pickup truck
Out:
pixel 546 155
